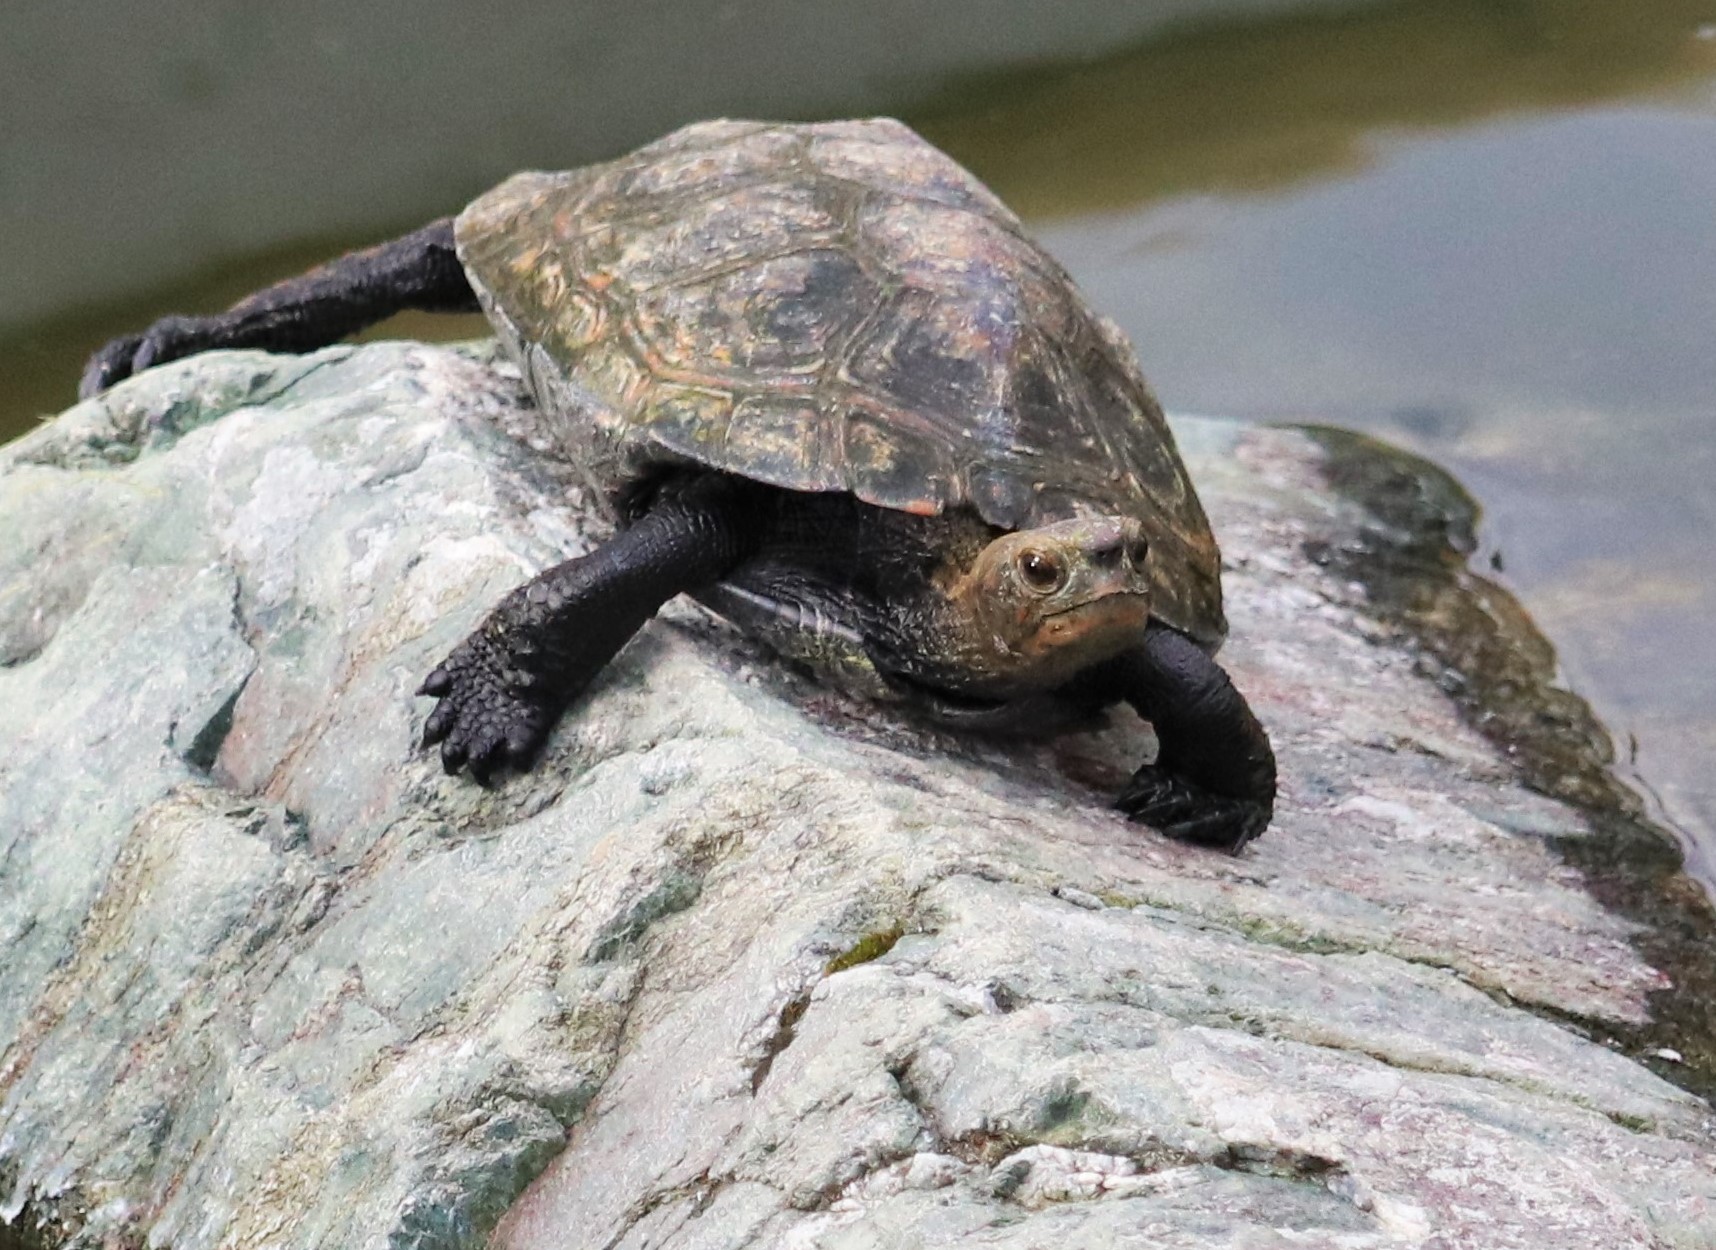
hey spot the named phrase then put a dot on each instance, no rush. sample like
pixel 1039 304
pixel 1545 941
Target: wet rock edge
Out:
pixel 1408 545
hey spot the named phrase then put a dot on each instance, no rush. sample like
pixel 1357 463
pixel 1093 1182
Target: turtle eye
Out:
pixel 1041 571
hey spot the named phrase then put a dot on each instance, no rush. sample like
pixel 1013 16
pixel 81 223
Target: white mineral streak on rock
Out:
pixel 922 1171
pixel 1038 1175
pixel 271 980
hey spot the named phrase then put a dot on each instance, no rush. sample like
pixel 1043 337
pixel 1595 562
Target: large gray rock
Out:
pixel 743 963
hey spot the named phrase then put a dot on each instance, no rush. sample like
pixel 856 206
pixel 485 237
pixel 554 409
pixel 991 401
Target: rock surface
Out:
pixel 744 963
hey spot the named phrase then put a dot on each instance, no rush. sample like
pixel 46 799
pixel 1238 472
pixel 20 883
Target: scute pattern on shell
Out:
pixel 830 307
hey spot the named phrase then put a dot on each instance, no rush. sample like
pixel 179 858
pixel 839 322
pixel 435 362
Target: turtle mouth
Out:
pixel 1109 602
pixel 1073 638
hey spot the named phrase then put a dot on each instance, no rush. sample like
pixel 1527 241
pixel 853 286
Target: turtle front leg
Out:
pixel 502 689
pixel 1213 781
pixel 420 270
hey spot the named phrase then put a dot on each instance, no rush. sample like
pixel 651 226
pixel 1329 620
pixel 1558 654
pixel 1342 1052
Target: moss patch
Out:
pixel 870 946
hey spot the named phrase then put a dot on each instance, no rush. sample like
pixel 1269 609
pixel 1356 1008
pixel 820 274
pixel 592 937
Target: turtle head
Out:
pixel 1046 603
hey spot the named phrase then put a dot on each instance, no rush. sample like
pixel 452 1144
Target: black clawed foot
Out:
pixel 502 689
pixel 109 365
pixel 168 339
pixel 487 719
pixel 1188 813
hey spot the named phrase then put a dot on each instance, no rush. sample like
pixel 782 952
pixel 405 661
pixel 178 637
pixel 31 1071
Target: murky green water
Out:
pixel 1483 228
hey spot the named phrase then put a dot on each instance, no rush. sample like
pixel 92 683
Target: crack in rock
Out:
pixel 786 1027
pixel 701 1190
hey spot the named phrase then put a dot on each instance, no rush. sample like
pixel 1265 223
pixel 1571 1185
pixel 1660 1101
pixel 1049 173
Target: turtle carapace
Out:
pixel 823 381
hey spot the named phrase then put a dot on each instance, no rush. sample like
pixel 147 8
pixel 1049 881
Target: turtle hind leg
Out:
pixel 420 271
pixel 501 690
pixel 1213 781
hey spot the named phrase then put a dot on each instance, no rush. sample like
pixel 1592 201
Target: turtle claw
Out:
pixel 1187 812
pixel 483 761
pixel 483 722
pixel 113 363
pixel 440 722
pixel 168 339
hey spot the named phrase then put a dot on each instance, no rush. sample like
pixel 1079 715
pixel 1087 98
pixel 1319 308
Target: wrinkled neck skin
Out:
pixel 1027 613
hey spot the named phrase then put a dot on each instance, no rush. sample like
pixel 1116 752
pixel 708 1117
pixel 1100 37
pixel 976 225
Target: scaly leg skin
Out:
pixel 1213 782
pixel 502 689
pixel 315 309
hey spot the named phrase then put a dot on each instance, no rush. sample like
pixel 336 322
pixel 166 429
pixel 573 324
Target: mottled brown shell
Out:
pixel 834 307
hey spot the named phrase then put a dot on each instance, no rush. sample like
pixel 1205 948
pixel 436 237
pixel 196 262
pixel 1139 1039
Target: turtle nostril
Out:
pixel 1108 556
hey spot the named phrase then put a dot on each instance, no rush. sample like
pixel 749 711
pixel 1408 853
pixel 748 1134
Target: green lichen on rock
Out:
pixel 870 946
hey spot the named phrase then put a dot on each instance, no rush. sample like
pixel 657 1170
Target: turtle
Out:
pixel 821 379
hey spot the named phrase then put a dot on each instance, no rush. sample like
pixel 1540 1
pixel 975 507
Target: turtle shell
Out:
pixel 833 307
